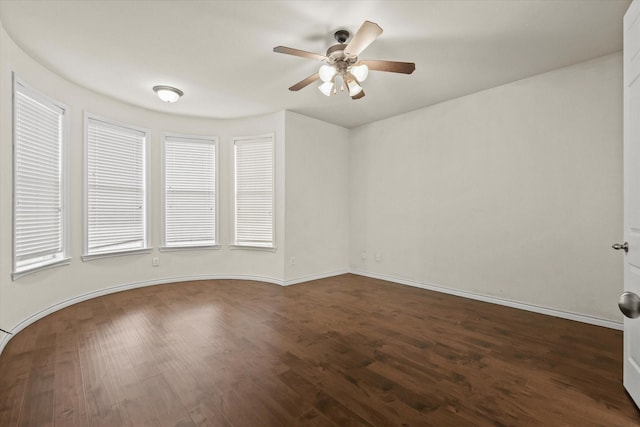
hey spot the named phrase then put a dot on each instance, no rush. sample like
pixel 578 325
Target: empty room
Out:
pixel 327 213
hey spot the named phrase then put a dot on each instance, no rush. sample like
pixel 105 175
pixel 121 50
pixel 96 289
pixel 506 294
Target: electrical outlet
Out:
pixel 378 257
pixel 363 255
pixel 155 262
pixel 292 261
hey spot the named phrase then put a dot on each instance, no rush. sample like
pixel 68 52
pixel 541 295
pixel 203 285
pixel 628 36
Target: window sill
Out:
pixel 188 248
pixel 116 254
pixel 58 263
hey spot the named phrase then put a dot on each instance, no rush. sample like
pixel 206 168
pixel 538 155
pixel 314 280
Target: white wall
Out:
pixel 514 192
pixel 39 291
pixel 317 220
pixel 314 222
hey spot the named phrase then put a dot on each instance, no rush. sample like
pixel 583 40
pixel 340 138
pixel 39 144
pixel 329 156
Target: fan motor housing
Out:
pixel 336 54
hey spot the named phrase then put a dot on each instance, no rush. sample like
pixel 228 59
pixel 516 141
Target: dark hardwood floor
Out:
pixel 342 351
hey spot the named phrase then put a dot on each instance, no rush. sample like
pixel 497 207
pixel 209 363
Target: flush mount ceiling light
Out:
pixel 342 64
pixel 168 93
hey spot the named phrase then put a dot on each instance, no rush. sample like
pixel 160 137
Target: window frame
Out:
pixel 203 139
pixel 147 248
pixel 64 257
pixel 234 243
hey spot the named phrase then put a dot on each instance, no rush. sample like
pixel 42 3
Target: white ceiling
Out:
pixel 220 52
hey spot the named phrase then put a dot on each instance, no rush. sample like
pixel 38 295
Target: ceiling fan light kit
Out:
pixel 326 88
pixel 360 72
pixel 326 72
pixel 341 61
pixel 354 86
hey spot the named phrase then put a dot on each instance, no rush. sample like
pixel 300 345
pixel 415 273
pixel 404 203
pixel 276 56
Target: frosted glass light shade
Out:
pixel 360 72
pixel 325 88
pixel 168 93
pixel 354 88
pixel 326 72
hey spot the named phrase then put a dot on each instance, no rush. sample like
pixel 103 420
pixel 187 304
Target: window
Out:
pixel 189 167
pixel 39 181
pixel 116 200
pixel 253 192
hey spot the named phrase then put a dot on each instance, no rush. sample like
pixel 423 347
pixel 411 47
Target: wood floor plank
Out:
pixel 130 390
pixel 69 403
pixel 199 396
pixel 13 385
pixel 347 350
pixel 39 389
pixel 99 390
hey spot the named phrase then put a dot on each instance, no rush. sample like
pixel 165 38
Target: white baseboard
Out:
pixel 314 277
pixel 496 300
pixel 123 287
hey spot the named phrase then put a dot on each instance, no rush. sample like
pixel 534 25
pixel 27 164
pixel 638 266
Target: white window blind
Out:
pixel 39 208
pixel 116 188
pixel 189 192
pixel 253 201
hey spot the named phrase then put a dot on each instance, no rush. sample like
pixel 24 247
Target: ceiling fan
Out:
pixel 341 62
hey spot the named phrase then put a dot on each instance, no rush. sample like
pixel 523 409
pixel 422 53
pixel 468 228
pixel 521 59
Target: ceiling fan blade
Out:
pixel 367 33
pixel 358 95
pixel 298 52
pixel 303 83
pixel 390 66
